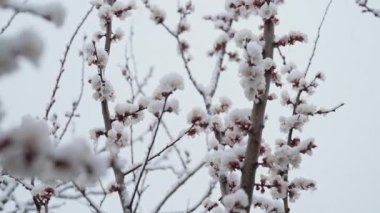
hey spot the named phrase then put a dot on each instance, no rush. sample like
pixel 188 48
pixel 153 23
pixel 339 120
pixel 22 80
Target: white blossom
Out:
pixel 157 15
pixel 236 202
pixel 267 11
pixel 122 9
pixel 26 44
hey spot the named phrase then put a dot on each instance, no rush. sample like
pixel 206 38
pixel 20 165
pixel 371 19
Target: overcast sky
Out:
pixel 346 163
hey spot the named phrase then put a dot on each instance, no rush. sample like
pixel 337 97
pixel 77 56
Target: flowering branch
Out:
pixel 258 112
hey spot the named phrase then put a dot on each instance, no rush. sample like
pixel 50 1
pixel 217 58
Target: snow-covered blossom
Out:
pixel 236 202
pixel 293 122
pixel 254 52
pixel 143 102
pixel 285 98
pixel 41 189
pixel 128 113
pixel 298 184
pixel 199 119
pixel 27 151
pixel 75 160
pixel 241 7
pixel 24 149
pixel 229 161
pixel 285 155
pixel 221 21
pixel 267 205
pixel 172 82
pixel 125 108
pixel 53 11
pixel 172 106
pixel 26 44
pixel 279 187
pixel 103 90
pixel 118 134
pixel 212 144
pixel 252 69
pixel 118 34
pixel 223 106
pixel 168 84
pixel 97 3
pixel 95 133
pixel 97 36
pixel 307 146
pixel 42 192
pixel 105 14
pixel 239 118
pixel 156 107
pixel 288 68
pixel 96 56
pixel 220 44
pixel 183 26
pixel 291 38
pixel 198 116
pixel 306 109
pixel 267 11
pixel 209 204
pixel 157 15
pixel 297 79
pixel 217 125
pixel 242 37
pixel 121 9
pixel 252 80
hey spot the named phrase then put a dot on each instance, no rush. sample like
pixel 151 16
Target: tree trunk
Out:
pixel 257 117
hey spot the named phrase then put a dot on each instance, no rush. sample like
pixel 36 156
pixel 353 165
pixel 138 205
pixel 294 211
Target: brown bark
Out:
pixel 257 116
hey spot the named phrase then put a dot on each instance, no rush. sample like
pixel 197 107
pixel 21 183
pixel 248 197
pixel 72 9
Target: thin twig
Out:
pixel 160 152
pixel 149 151
pixel 204 197
pixel 180 183
pixel 317 38
pixel 10 20
pixel 63 61
pixel 77 102
pixel 90 202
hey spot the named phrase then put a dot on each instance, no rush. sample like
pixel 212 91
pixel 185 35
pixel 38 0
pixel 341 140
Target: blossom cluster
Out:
pixel 27 43
pixel 254 67
pixel 28 151
pixel 230 127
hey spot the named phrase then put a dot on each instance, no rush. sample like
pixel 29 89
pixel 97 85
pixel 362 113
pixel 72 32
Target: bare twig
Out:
pixel 181 182
pixel 136 166
pixel 281 55
pixel 77 102
pixel 10 20
pixel 63 61
pixel 317 38
pixel 206 195
pixel 90 202
pixel 150 148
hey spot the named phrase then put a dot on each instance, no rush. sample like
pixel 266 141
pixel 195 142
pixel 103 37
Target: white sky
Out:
pixel 346 163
